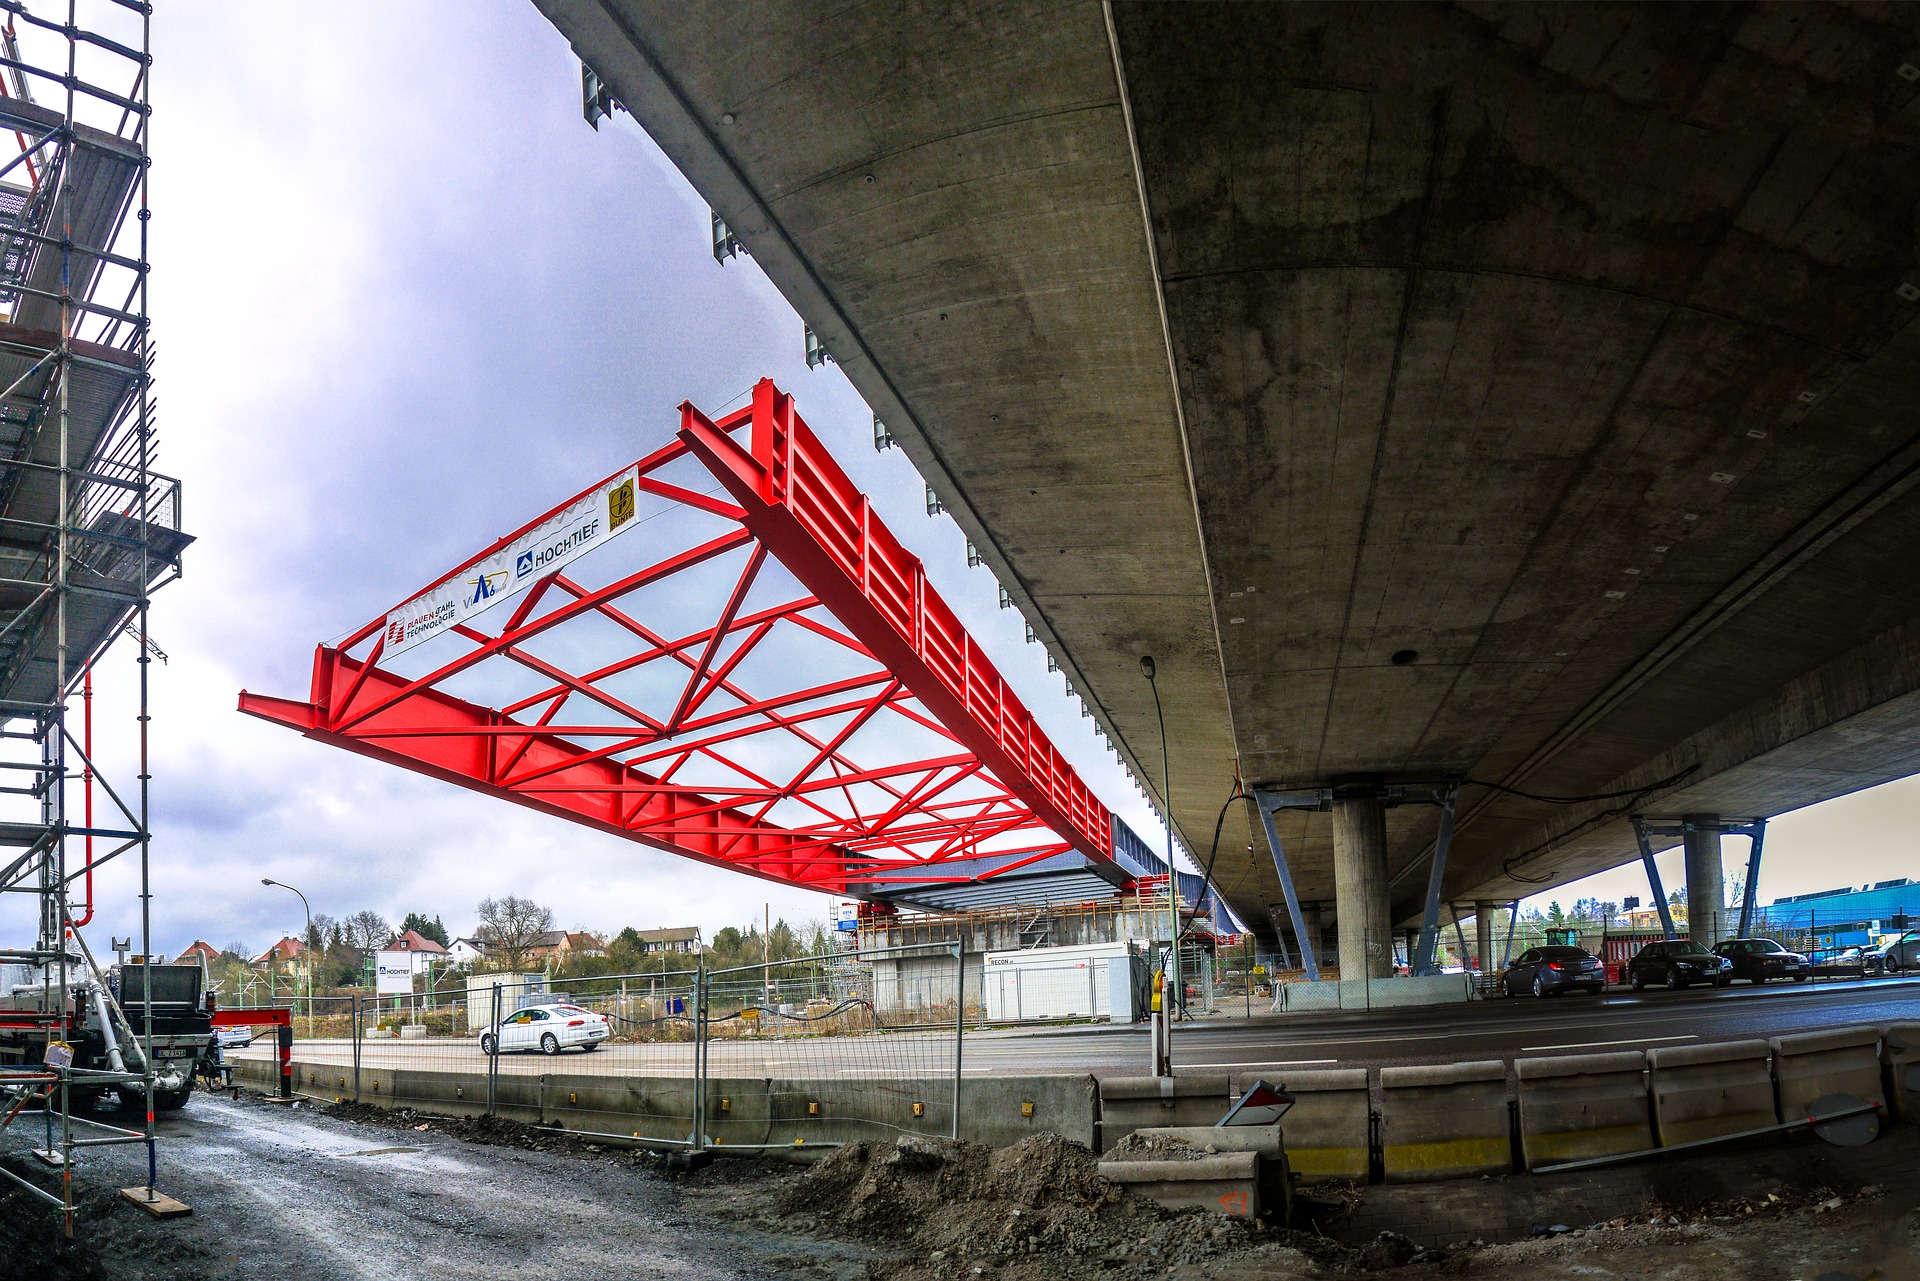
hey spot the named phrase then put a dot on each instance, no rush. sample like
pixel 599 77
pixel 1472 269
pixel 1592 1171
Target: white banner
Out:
pixel 569 534
pixel 393 973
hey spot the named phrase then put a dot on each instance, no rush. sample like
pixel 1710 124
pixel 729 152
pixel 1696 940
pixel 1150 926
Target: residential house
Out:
pixel 199 952
pixel 468 951
pixel 287 951
pixel 421 952
pixel 679 938
pixel 557 946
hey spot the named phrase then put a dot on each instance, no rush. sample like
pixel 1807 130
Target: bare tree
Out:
pixel 513 925
pixel 367 930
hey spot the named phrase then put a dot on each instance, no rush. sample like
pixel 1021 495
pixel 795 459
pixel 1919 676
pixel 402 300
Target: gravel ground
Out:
pixel 280 1191
pixel 362 1193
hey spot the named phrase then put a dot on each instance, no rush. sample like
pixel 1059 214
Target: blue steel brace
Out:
pixel 1653 876
pixel 1268 803
pixel 1513 919
pixel 1421 962
pixel 1757 834
pixel 1459 936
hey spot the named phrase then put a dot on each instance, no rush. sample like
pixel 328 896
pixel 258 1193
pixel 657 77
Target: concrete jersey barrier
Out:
pixel 1267 1142
pixel 1446 1122
pixel 1327 1127
pixel 1582 1105
pixel 1228 1183
pixel 1129 1103
pixel 1706 1091
pixel 1900 1052
pixel 1810 1064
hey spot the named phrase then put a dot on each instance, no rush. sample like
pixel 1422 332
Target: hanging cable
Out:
pixel 1219 824
pixel 1636 792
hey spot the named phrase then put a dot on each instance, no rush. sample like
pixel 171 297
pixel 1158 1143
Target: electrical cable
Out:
pixel 1635 792
pixel 1219 823
pixel 1506 867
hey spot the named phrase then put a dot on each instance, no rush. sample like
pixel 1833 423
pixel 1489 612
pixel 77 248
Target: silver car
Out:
pixel 548 1029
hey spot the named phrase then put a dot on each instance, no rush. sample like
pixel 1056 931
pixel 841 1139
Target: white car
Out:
pixel 548 1029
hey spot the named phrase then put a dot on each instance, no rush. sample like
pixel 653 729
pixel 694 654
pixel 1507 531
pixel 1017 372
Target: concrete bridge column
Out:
pixel 1706 879
pixel 1365 921
pixel 1315 941
pixel 1485 915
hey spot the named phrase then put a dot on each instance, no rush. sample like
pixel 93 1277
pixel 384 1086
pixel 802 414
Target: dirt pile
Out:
pixel 1038 1209
pixel 1139 1146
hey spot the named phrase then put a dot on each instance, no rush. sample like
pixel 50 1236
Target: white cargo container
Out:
pixel 1058 982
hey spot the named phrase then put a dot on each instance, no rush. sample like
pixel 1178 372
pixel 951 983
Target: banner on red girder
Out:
pixel 556 541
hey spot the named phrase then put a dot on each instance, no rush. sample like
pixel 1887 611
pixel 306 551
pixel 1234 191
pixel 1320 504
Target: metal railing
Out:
pixel 842 1045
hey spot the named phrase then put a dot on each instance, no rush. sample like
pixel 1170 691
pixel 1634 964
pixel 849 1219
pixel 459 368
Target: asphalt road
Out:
pixel 1496 1028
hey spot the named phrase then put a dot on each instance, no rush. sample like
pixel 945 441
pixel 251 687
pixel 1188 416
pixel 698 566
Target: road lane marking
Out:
pixel 1632 1040
pixel 1269 1063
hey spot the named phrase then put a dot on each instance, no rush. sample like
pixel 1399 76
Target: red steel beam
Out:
pixel 848 824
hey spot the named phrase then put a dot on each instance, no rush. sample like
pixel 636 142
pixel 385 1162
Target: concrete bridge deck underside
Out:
pixel 1522 392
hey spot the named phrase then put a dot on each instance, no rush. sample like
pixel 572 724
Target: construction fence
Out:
pixel 842 1044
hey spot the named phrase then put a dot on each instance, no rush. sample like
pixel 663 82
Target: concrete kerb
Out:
pixel 1447 1121
pixel 1706 1091
pixel 1810 1064
pixel 1327 1127
pixel 1900 1053
pixel 1582 1105
pixel 1266 1142
pixel 1129 1103
pixel 1228 1183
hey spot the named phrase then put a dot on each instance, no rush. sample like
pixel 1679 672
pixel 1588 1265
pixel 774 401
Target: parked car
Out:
pixel 1839 962
pixel 1757 960
pixel 547 1028
pixel 1902 956
pixel 1678 963
pixel 1549 971
pixel 233 1038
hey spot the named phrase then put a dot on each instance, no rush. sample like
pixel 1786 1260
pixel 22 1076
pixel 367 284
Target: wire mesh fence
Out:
pixel 819 1049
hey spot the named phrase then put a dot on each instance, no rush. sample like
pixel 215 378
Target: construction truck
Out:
pixel 100 1020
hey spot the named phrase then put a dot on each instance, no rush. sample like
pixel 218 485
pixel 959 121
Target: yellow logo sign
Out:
pixel 619 505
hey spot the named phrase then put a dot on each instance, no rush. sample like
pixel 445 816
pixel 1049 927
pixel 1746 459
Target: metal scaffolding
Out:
pixel 88 530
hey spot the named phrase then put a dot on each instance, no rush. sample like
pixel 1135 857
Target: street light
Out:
pixel 268 880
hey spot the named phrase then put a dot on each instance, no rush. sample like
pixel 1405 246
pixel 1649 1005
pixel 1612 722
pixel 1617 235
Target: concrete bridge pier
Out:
pixel 1484 917
pixel 1706 879
pixel 1363 911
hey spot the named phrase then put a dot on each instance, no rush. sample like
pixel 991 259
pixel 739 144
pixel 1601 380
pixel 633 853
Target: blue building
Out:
pixel 1845 917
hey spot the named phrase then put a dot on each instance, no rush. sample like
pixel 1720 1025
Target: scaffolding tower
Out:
pixel 88 530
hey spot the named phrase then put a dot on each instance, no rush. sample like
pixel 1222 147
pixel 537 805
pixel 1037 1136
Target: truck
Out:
pixel 104 1023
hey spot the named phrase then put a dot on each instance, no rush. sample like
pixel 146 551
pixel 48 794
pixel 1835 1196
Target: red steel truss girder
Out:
pixel 794 503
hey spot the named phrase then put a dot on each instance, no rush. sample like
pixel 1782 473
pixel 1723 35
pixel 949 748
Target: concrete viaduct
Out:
pixel 1518 393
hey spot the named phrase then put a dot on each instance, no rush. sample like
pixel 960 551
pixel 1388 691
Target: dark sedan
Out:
pixel 1757 960
pixel 1549 971
pixel 1677 963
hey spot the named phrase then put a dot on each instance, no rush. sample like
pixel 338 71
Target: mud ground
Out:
pixel 355 1193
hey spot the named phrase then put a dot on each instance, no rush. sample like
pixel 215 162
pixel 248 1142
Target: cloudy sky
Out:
pixel 405 300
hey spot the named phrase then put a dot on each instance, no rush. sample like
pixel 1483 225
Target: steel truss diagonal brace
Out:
pixel 897 749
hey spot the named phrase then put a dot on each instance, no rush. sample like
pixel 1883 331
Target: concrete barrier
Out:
pixel 1582 1105
pixel 1374 994
pixel 1225 1184
pixel 1446 1122
pixel 1706 1091
pixel 1900 1053
pixel 1810 1064
pixel 1266 1142
pixel 742 1111
pixel 1327 1126
pixel 1128 1103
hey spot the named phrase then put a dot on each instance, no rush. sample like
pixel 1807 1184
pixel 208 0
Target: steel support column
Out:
pixel 1421 962
pixel 1483 934
pixel 1658 891
pixel 1268 802
pixel 1757 836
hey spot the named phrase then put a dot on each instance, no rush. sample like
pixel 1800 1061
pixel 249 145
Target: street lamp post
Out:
pixel 268 880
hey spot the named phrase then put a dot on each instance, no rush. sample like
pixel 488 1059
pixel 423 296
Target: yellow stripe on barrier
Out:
pixel 1449 1154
